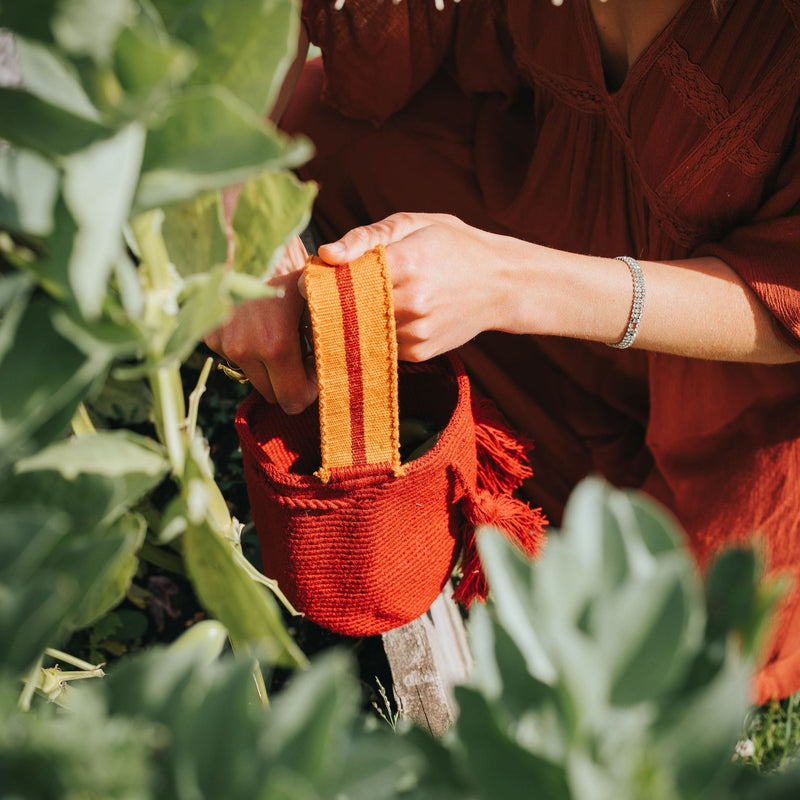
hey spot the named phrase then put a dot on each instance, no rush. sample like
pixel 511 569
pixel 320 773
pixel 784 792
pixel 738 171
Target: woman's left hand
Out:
pixel 450 280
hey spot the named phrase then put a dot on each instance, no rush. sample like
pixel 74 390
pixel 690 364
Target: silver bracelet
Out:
pixel 636 308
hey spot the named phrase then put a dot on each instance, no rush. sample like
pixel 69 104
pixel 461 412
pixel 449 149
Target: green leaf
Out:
pixel 49 76
pixel 489 752
pixel 145 61
pixel 90 27
pixel 247 610
pixel 100 208
pixel 170 10
pixel 43 377
pixel 95 478
pixel 247 52
pixel 206 306
pixel 311 719
pixel 28 191
pixel 205 640
pixel 194 234
pixel 510 577
pixel 731 586
pixel 208 139
pixel 29 19
pixel 271 209
pixel 34 600
pixel 124 402
pixel 34 124
pixel 695 737
pixel 110 586
pixel 649 631
pixel 140 461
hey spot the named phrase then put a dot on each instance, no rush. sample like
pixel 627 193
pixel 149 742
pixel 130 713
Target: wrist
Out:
pixel 556 293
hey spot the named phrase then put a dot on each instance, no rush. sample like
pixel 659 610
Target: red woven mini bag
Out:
pixel 358 541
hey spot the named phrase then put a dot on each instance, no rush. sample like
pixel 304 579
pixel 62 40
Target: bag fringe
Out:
pixel 502 452
pixel 522 525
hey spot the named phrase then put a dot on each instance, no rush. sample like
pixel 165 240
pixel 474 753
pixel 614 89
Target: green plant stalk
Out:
pixel 28 690
pixel 82 422
pixel 194 398
pixel 74 661
pixel 258 676
pixel 160 558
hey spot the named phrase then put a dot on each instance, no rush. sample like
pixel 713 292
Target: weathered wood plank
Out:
pixel 427 658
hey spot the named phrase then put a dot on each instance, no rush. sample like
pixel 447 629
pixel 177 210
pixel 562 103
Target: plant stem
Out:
pixel 194 398
pixel 160 558
pixel 60 655
pixel 24 702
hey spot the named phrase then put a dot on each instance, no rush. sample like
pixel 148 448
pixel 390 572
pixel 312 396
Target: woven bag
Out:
pixel 360 542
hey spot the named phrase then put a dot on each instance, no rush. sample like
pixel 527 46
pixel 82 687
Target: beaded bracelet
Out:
pixel 636 308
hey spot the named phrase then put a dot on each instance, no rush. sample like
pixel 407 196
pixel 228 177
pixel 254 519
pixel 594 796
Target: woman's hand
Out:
pixel 450 279
pixel 262 338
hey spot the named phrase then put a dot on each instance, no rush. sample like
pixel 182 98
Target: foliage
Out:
pixel 125 128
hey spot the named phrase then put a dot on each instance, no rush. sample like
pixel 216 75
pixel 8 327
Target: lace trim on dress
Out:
pixel 732 139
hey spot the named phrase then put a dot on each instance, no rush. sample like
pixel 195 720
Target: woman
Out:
pixel 561 138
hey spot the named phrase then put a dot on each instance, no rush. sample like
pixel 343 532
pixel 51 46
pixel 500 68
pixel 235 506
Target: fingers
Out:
pixel 262 338
pixel 357 241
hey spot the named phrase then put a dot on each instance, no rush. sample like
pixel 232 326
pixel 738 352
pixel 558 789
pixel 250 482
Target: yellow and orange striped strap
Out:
pixel 355 346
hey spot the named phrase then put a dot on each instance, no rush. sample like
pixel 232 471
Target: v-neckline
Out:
pixel 642 61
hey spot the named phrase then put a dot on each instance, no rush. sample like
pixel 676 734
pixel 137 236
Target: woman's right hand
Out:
pixel 262 338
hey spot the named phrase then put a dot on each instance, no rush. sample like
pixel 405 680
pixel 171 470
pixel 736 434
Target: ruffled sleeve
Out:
pixel 377 55
pixel 765 251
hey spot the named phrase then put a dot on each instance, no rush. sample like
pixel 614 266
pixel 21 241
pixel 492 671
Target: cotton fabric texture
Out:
pixel 498 112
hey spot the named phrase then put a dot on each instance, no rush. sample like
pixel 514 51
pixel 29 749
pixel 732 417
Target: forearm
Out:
pixel 699 308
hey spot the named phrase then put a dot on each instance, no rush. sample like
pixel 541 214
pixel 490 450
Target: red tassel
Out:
pixel 523 525
pixel 502 452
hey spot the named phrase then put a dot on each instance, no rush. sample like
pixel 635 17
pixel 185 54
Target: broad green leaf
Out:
pixel 109 588
pixel 695 737
pixel 95 478
pixel 49 76
pixel 34 124
pixel 50 754
pixel 117 454
pixel 510 578
pixel 28 190
pixel 100 207
pixel 208 139
pixel 205 640
pixel 43 377
pixel 145 61
pixel 731 585
pixel 649 631
pixel 124 402
pixel 29 19
pixel 170 10
pixel 34 600
pixel 271 209
pixel 90 27
pixel 206 306
pixel 15 292
pixel 247 610
pixel 247 52
pixel 194 234
pixel 489 751
pixel 311 719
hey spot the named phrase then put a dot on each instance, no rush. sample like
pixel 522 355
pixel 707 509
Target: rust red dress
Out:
pixel 499 112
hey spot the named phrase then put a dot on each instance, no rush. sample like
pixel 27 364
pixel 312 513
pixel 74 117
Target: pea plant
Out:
pixel 607 670
pixel 131 117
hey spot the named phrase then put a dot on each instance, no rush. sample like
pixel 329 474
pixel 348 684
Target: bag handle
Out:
pixel 355 346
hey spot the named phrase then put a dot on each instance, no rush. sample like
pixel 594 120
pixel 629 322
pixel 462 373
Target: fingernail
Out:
pixel 335 249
